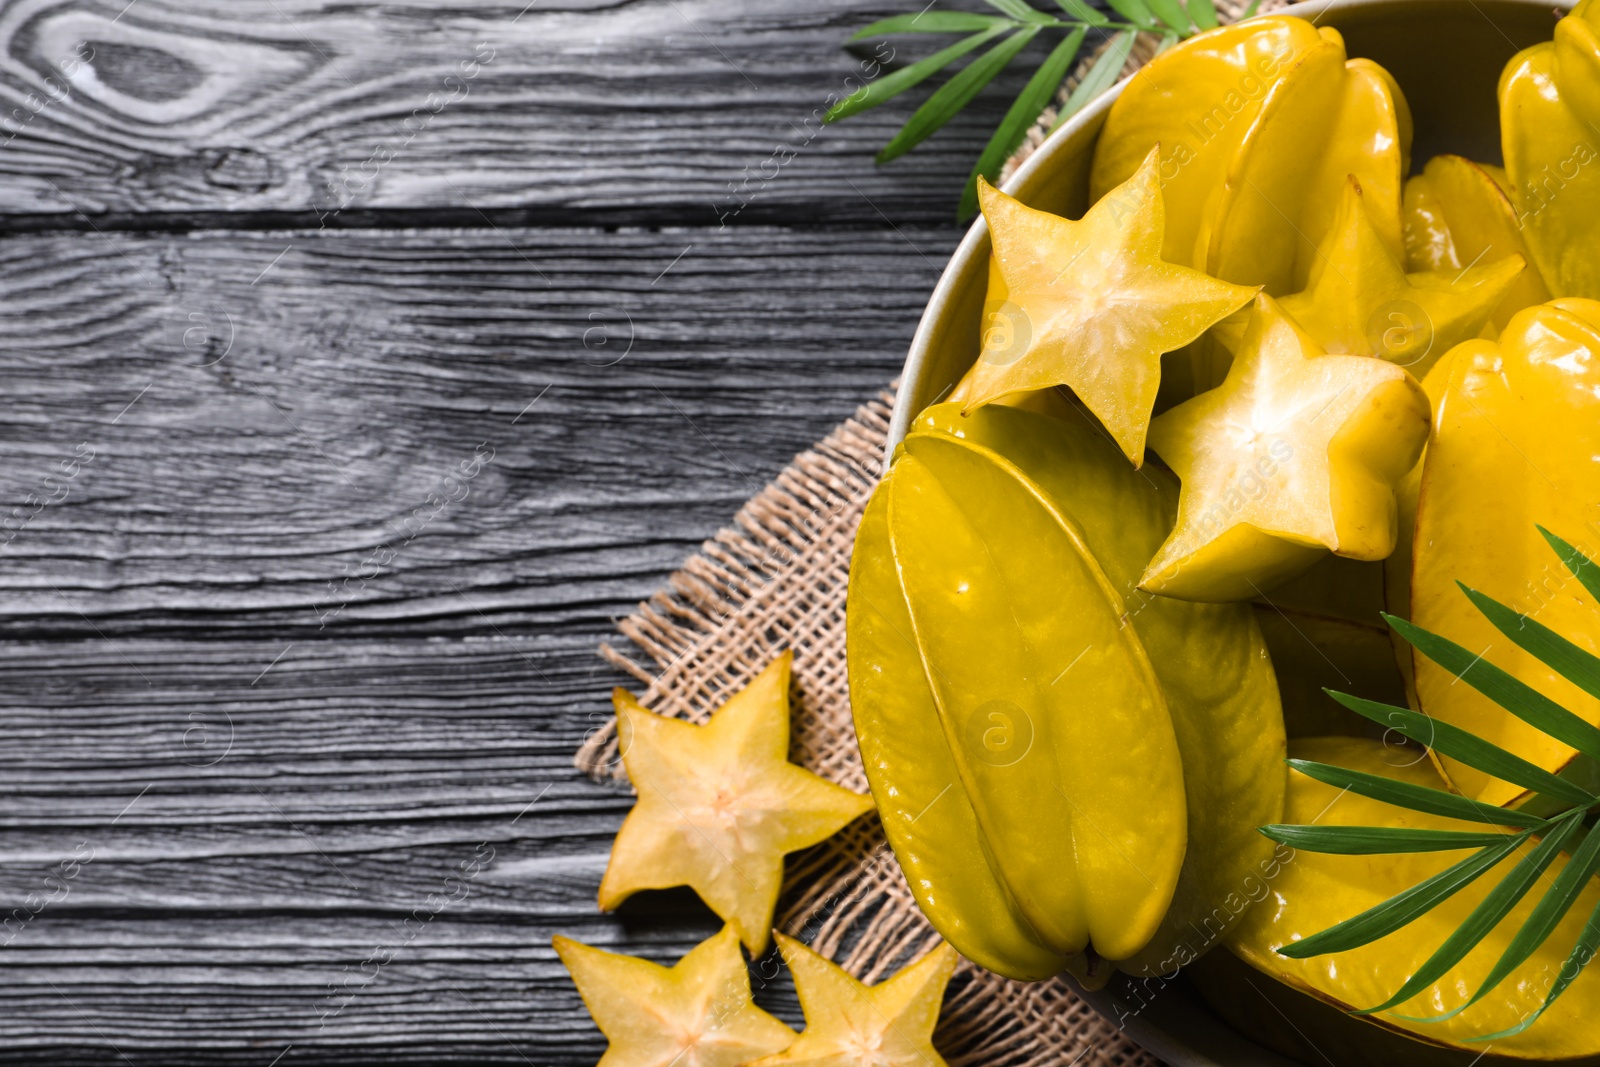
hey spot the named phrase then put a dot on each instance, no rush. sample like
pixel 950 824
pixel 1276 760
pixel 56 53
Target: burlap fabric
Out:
pixel 776 579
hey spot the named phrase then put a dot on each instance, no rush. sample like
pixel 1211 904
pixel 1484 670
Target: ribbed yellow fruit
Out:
pixel 1314 891
pixel 1259 125
pixel 1514 445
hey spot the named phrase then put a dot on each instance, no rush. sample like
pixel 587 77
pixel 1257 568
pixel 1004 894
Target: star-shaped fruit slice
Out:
pixel 1297 453
pixel 1361 302
pixel 720 804
pixel 1091 305
pixel 697 1013
pixel 853 1025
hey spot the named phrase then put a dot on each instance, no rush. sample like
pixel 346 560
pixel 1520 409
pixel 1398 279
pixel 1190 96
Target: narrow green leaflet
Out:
pixel 1203 13
pixel 1250 12
pixel 1383 919
pixel 1470 749
pixel 1099 78
pixel 1582 953
pixel 955 94
pixel 1557 834
pixel 1022 11
pixel 1135 11
pixel 1170 12
pixel 1582 567
pixel 1487 915
pixel 876 92
pixel 1541 922
pixel 1378 840
pixel 1415 797
pixel 1080 10
pixel 929 22
pixel 1577 665
pixel 1035 95
pixel 1516 696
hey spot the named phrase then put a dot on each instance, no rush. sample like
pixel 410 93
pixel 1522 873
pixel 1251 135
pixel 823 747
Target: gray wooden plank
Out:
pixel 271 786
pixel 689 110
pixel 284 425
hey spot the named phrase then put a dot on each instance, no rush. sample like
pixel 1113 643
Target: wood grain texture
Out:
pixel 362 364
pixel 693 111
pixel 263 749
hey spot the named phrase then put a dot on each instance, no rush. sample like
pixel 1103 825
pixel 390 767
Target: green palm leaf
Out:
pixel 1582 567
pixel 1578 665
pixel 1555 834
pixel 1415 797
pixel 1099 77
pixel 1541 921
pixel 1383 919
pixel 876 92
pixel 955 94
pixel 1487 915
pixel 1470 749
pixel 1015 125
pixel 929 22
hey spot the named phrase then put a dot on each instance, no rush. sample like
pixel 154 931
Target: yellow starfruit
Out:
pixel 1209 663
pixel 1209 659
pixel 697 1013
pixel 720 804
pixel 1514 445
pixel 981 559
pixel 1090 305
pixel 1295 455
pixel 1313 891
pixel 849 1024
pixel 1458 214
pixel 1549 111
pixel 1259 125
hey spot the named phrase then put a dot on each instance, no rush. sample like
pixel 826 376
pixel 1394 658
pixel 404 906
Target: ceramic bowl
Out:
pixel 1447 56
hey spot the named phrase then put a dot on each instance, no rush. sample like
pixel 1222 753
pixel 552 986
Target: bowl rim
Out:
pixel 1181 1038
pixel 974 244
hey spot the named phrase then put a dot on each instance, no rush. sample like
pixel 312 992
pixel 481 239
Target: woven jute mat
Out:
pixel 775 579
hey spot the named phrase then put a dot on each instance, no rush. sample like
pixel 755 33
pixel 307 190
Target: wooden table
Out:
pixel 362 364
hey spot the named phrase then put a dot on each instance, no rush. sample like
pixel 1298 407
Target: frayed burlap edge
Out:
pixel 776 579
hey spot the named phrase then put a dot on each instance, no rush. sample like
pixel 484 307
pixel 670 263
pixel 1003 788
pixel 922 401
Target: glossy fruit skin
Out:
pixel 1259 124
pixel 1089 304
pixel 1296 454
pixel 1513 445
pixel 931 827
pixel 1209 661
pixel 1549 105
pixel 1457 213
pixel 1313 891
pixel 985 562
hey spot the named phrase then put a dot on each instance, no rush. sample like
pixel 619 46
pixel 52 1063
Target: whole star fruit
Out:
pixel 1459 214
pixel 1060 721
pixel 720 804
pixel 696 1013
pixel 1259 125
pixel 1549 111
pixel 1360 301
pixel 850 1024
pixel 1397 567
pixel 1313 891
pixel 1513 445
pixel 1297 454
pixel 1090 305
pixel 1209 659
